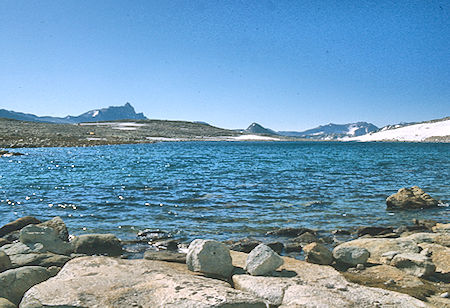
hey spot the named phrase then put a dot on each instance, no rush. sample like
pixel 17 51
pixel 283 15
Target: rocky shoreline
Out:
pixel 42 265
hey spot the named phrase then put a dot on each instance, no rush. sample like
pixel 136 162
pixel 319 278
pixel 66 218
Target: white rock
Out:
pixel 210 257
pixel 262 260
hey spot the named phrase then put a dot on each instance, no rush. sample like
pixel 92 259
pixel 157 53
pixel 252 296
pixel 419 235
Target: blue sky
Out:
pixel 289 65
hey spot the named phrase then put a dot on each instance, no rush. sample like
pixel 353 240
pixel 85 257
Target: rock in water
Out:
pixel 48 237
pixel 5 262
pixel 262 260
pixel 318 254
pixel 351 255
pixel 414 263
pixel 18 224
pixel 209 257
pixel 97 244
pixel 411 198
pixel 15 282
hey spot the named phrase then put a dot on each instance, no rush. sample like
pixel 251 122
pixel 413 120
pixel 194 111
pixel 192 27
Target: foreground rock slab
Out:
pixel 110 282
pixel 302 284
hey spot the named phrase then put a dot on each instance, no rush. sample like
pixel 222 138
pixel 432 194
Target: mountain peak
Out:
pixel 112 113
pixel 256 128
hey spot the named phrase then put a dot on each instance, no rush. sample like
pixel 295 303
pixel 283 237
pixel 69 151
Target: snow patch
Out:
pixel 96 112
pixel 414 132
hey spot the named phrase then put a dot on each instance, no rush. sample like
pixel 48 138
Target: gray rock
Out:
pixel 113 282
pixel 378 246
pixel 5 262
pixel 18 224
pixel 4 241
pixel 4 303
pixel 97 244
pixel 440 256
pixel 168 256
pixel 411 198
pixel 15 282
pixel 387 257
pixel 245 244
pixel 318 254
pixel 48 237
pixel 59 226
pixel 414 264
pixel 210 257
pixel 305 238
pixel 351 255
pixel 262 260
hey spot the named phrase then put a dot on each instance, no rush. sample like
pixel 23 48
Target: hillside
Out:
pixel 16 134
pixel 430 131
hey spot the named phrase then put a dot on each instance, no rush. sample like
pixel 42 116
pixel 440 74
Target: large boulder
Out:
pixel 209 257
pixel 113 282
pixel 411 198
pixel 47 236
pixel 18 224
pixel 262 260
pixel 379 246
pixel 414 264
pixel 59 226
pixel 318 254
pixel 15 282
pixel 351 255
pixel 5 262
pixel 97 244
pixel 302 284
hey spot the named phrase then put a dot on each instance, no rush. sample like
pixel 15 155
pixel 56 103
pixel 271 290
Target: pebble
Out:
pixel 360 267
pixel 445 295
pixel 390 282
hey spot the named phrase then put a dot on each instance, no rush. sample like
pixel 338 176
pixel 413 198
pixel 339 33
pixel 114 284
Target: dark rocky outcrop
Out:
pixel 18 224
pixel 97 244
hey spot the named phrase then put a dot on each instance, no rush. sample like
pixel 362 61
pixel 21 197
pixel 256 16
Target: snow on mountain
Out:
pixel 333 131
pixel 413 132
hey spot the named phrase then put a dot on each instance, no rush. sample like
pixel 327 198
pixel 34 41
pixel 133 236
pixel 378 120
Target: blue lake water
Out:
pixel 222 190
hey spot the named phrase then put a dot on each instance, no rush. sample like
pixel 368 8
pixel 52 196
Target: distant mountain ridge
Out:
pixel 112 113
pixel 334 131
pixel 324 132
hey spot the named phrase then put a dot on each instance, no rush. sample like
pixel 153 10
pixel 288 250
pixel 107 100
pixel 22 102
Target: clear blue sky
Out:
pixel 289 65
